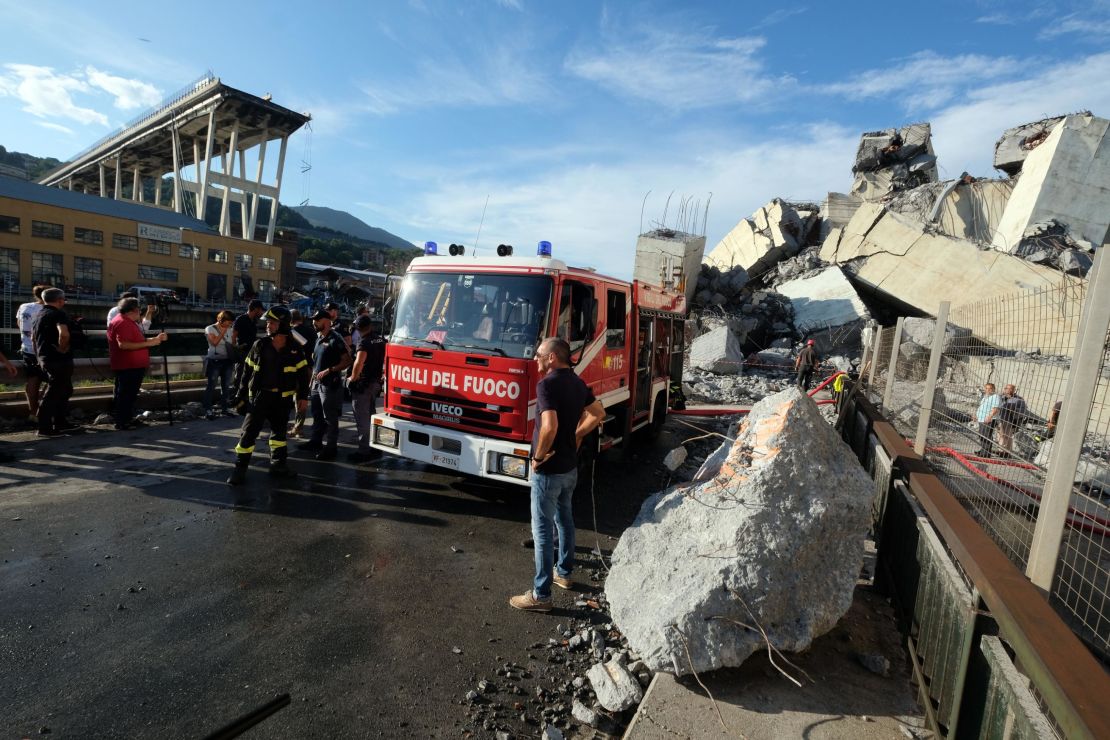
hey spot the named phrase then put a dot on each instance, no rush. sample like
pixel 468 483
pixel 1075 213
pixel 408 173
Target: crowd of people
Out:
pixel 323 363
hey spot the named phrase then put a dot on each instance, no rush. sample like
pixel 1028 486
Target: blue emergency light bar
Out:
pixel 544 249
pixel 430 248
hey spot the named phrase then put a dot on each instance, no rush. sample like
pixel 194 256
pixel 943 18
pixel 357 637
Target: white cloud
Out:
pixel 1095 25
pixel 678 69
pixel 925 79
pixel 46 94
pixel 497 76
pixel 55 127
pixel 778 16
pixel 129 94
pixel 591 212
pixel 510 4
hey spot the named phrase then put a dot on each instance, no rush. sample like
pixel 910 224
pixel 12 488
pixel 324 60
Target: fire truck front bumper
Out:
pixel 460 452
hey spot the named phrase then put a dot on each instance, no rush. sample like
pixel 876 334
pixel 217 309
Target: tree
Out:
pixel 316 255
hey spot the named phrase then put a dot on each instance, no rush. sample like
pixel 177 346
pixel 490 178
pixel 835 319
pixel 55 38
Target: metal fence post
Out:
pixel 939 335
pixel 866 354
pixel 889 390
pixel 1071 427
pixel 875 356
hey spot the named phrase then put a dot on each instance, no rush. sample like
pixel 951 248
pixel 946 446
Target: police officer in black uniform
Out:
pixel 274 371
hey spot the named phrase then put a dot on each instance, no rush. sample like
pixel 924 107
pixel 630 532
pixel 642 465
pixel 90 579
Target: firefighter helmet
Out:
pixel 281 315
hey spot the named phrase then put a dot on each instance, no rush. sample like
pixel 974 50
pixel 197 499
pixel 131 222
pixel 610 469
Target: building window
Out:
pixel 87 273
pixel 149 272
pixel 188 252
pixel 267 263
pixel 9 224
pixel 46 230
pixel 266 289
pixel 94 237
pixel 217 255
pixel 157 247
pixel 123 241
pixel 47 268
pixel 9 263
pixel 243 261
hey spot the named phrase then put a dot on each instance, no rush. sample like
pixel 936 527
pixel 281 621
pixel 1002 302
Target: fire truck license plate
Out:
pixel 447 461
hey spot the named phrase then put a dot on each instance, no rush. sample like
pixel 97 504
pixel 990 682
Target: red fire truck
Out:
pixel 460 374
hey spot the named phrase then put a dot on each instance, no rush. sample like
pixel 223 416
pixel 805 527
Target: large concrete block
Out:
pixel 772 234
pixel 893 159
pixel 671 259
pixel 771 532
pixel 1067 178
pixel 717 351
pixel 823 300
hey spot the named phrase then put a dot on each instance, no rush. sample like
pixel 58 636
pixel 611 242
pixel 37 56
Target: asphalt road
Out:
pixel 142 597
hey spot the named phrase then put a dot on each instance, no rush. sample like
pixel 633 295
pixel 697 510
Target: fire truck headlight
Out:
pixel 512 465
pixel 385 436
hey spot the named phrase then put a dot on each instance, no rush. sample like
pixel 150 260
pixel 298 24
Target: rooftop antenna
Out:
pixel 475 247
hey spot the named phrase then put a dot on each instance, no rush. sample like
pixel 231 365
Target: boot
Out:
pixel 279 468
pixel 239 474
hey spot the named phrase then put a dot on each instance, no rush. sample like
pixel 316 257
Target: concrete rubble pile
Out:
pixel 770 531
pixel 893 159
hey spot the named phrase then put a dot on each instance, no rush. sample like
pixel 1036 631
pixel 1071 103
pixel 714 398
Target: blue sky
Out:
pixel 564 114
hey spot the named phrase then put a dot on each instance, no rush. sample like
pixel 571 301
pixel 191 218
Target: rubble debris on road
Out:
pixel 771 532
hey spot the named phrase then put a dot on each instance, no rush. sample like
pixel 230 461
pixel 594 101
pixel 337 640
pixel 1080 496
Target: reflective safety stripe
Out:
pixel 294 368
pixel 252 364
pixel 276 443
pixel 244 450
pixel 301 364
pixel 286 394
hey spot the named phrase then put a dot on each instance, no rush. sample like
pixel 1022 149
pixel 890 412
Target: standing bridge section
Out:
pixel 201 137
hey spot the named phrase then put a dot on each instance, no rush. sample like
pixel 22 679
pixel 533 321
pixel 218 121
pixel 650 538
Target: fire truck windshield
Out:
pixel 480 312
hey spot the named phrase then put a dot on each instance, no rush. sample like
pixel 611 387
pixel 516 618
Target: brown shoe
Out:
pixel 563 581
pixel 529 603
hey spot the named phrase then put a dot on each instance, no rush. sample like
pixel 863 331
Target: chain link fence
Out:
pixel 992 413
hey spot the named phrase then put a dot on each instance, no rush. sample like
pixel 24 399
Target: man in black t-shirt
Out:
pixel 364 383
pixel 51 338
pixel 806 364
pixel 566 411
pixel 244 332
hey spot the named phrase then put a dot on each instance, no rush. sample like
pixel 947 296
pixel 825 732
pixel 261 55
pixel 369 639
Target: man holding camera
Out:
pixel 274 372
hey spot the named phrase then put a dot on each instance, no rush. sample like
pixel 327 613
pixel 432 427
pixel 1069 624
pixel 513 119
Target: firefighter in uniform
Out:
pixel 274 371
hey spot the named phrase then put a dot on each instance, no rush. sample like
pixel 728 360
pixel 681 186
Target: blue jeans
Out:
pixel 551 504
pixel 217 370
pixel 327 406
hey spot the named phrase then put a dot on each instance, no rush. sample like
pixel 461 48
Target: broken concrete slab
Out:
pixel 1067 178
pixel 966 208
pixel 773 233
pixel 837 210
pixel 896 256
pixel 1014 145
pixel 717 351
pixel 772 533
pixel 823 300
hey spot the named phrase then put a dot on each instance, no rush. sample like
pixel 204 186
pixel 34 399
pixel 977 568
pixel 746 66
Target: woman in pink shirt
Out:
pixel 129 352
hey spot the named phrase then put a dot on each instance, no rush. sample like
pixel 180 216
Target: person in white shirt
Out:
pixel 145 322
pixel 25 317
pixel 218 363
